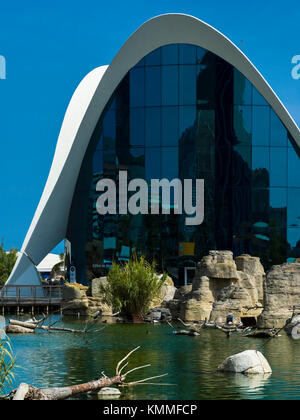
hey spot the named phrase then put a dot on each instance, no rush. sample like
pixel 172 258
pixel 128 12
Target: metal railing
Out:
pixel 33 295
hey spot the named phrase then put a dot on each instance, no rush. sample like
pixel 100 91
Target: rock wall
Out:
pixel 221 286
pixel 83 300
pixel 281 294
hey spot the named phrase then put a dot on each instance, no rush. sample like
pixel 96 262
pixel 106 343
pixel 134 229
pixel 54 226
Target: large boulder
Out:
pixel 73 292
pixel 281 294
pixel 223 285
pixel 96 288
pixel 166 294
pixel 248 362
pixel 219 265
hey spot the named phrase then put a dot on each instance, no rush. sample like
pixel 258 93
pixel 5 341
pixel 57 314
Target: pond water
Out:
pixel 60 359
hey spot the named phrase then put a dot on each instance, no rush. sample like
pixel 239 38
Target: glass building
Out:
pixel 178 101
pixel 183 112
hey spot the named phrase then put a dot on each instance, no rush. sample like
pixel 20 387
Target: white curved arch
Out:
pixel 50 220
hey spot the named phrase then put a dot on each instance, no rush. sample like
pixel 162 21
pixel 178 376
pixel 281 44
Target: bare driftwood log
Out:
pixel 63 393
pixel 193 327
pixel 36 325
pixel 21 392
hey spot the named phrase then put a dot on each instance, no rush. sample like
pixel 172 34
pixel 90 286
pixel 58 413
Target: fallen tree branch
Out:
pixel 27 392
pixel 35 326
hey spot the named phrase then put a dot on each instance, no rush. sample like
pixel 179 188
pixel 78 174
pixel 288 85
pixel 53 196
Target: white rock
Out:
pixel 109 391
pixel 247 362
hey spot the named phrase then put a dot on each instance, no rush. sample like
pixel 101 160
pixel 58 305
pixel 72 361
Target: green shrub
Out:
pixel 7 364
pixel 132 287
pixel 7 262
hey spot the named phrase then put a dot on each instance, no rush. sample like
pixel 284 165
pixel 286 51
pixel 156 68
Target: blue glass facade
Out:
pixel 182 112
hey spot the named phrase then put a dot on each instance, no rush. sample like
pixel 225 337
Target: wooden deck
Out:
pixel 20 297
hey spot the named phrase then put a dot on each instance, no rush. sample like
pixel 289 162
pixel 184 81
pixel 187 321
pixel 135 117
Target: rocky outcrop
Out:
pixel 248 362
pixel 221 286
pixel 158 314
pixel 281 294
pixel 85 301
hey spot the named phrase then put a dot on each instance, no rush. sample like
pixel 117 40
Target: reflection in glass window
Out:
pixel 187 119
pixel 243 124
pixel 98 162
pixel 293 169
pixel 242 89
pixel 187 85
pixel 137 163
pixel 152 127
pixel 152 86
pixel 136 87
pixel 278 207
pixel 187 54
pixel 169 87
pixel 137 126
pixel 153 59
pixel 294 207
pixel 278 167
pixel 261 167
pixel 258 99
pixel 261 126
pixel 278 132
pixel 169 162
pixel 206 81
pixel 169 54
pixel 293 238
pixel 152 164
pixel 169 126
pixel 109 130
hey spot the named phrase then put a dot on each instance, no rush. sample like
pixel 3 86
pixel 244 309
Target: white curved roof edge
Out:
pixel 49 224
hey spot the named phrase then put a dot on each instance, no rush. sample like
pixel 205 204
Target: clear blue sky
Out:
pixel 49 47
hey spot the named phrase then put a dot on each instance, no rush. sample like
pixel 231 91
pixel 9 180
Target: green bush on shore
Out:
pixel 132 287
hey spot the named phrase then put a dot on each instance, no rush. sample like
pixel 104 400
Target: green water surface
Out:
pixel 60 359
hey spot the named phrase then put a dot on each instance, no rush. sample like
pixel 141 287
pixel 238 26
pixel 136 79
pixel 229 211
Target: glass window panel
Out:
pixel 187 85
pixel 169 54
pixel 169 162
pixel 260 209
pixel 141 63
pixel 290 141
pixel 187 118
pixel 261 126
pixel 242 89
pixel 169 86
pixel 206 81
pixel 153 59
pixel 257 98
pixel 137 163
pixel 187 54
pixel 100 142
pixel 278 207
pixel 278 167
pixel 169 126
pixel 293 169
pixel 109 130
pixel 243 124
pixel 137 127
pixel 294 207
pixel 98 162
pixel 278 131
pixel 293 238
pixel 152 127
pixel 153 86
pixel 136 87
pixel 152 164
pixel 260 167
pixel 200 52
